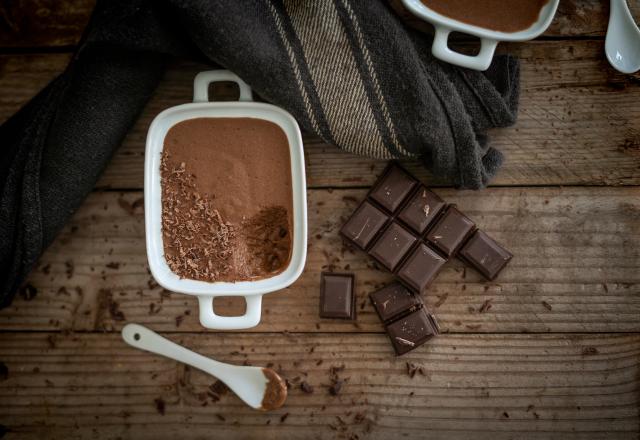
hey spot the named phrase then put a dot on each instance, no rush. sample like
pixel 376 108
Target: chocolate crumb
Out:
pixel 335 387
pixel 114 310
pixel 486 306
pixel 179 320
pixel 70 268
pixel 221 417
pixel 547 305
pixel 284 417
pixel 441 299
pixel 589 351
pixel 217 390
pixel 160 405
pixel 113 265
pixel 4 372
pixel 306 387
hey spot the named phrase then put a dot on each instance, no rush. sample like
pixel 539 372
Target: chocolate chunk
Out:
pixel 423 207
pixel 451 231
pixel 485 254
pixel 392 246
pixel 337 299
pixel 363 225
pixel 392 188
pixel 421 268
pixel 394 301
pixel 412 331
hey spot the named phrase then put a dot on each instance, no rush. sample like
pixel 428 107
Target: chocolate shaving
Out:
pixel 486 306
pixel 187 215
pixel 306 387
pixel 160 405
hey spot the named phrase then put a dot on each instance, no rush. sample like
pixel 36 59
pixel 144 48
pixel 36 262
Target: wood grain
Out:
pixel 43 23
pixel 54 23
pixel 577 253
pixel 486 387
pixel 579 122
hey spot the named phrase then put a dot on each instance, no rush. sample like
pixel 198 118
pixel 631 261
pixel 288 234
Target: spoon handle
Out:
pixel 141 337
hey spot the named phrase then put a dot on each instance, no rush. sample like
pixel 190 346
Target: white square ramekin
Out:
pixel 252 291
pixel 488 38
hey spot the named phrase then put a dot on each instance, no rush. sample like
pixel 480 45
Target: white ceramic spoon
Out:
pixel 623 39
pixel 260 388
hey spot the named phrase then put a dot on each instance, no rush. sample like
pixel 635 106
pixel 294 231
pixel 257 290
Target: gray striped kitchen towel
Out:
pixel 348 70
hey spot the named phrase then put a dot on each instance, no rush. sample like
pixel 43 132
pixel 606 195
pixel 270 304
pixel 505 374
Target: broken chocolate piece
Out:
pixel 412 331
pixel 363 225
pixel 422 208
pixel 451 231
pixel 337 298
pixel 393 187
pixel 421 268
pixel 485 254
pixel 392 246
pixel 394 301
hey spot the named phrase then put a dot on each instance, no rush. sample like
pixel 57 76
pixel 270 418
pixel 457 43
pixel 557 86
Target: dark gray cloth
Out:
pixel 348 70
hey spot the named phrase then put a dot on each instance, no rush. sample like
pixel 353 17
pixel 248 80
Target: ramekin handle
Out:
pixel 481 61
pixel 203 79
pixel 209 319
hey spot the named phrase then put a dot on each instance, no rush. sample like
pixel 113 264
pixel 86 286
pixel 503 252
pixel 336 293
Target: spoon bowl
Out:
pixel 260 388
pixel 622 44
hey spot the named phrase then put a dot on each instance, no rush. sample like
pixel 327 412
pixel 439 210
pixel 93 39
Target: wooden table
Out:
pixel 557 353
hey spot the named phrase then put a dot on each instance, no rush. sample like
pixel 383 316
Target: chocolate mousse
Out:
pixel 226 199
pixel 497 15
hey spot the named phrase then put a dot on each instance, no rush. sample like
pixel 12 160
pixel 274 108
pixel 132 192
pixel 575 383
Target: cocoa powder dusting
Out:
pixel 226 199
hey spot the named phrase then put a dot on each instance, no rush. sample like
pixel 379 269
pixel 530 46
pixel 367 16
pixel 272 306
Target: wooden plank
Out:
pixel 577 254
pixel 42 23
pixel 579 122
pixel 480 386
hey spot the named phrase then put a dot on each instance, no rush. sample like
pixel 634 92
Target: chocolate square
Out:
pixel 392 188
pixel 337 298
pixel 412 331
pixel 394 301
pixel 392 246
pixel 451 231
pixel 421 268
pixel 423 207
pixel 485 254
pixel 364 224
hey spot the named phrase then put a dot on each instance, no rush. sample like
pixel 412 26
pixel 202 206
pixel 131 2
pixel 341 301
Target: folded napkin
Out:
pixel 348 70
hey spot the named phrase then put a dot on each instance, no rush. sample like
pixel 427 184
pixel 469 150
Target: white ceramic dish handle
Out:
pixel 441 50
pixel 203 79
pixel 209 319
pixel 208 316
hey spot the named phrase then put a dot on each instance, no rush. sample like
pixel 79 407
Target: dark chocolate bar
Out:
pixel 412 331
pixel 337 297
pixel 394 301
pixel 485 254
pixel 434 232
